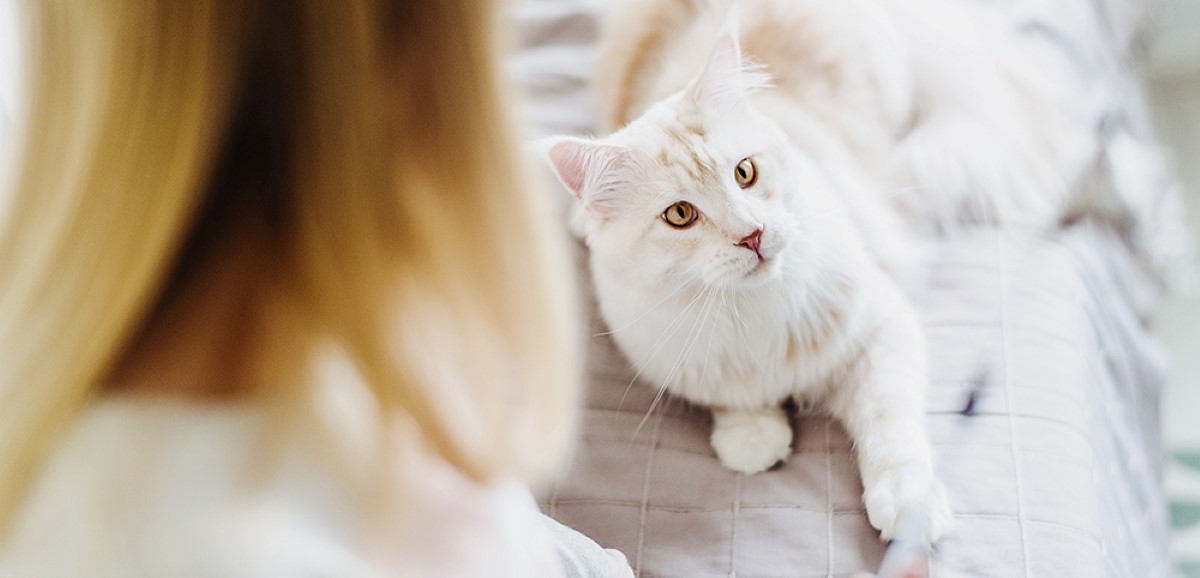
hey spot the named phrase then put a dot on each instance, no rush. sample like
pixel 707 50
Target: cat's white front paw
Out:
pixel 910 502
pixel 751 441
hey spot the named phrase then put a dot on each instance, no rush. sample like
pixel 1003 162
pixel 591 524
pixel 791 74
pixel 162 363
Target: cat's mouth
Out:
pixel 752 275
pixel 763 267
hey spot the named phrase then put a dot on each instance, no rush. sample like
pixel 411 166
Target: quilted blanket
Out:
pixel 1056 473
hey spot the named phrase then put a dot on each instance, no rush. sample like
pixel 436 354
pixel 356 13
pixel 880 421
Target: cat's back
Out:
pixel 824 56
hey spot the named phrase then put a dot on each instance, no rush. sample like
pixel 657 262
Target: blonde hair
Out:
pixel 395 207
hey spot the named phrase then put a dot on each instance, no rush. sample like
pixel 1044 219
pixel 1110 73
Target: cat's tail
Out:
pixel 958 169
pixel 987 141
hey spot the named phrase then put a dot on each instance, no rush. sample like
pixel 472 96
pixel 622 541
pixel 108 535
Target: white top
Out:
pixel 156 490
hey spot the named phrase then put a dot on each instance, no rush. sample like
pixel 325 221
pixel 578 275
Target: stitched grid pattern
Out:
pixel 1053 477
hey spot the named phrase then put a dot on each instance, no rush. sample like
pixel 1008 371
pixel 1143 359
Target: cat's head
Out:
pixel 694 189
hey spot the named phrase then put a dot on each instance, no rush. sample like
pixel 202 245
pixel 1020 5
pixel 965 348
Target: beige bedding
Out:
pixel 1056 474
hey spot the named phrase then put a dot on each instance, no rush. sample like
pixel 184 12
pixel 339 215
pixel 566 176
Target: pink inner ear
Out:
pixel 726 59
pixel 589 169
pixel 570 162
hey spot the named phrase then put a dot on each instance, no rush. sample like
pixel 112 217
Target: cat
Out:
pixel 744 234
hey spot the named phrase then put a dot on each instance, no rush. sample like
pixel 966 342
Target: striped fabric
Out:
pixel 1183 491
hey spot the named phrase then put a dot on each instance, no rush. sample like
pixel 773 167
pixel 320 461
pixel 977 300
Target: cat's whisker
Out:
pixel 684 353
pixel 670 376
pixel 673 293
pixel 742 328
pixel 692 339
pixel 689 345
pixel 656 305
pixel 671 328
pixel 745 338
pixel 649 411
pixel 742 322
pixel 711 333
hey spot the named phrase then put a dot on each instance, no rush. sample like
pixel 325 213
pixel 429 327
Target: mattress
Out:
pixel 1056 473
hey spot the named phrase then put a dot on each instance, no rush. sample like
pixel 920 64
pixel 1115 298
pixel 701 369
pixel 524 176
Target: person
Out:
pixel 277 296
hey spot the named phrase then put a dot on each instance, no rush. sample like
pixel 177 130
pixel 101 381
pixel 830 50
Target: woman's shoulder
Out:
pixel 155 489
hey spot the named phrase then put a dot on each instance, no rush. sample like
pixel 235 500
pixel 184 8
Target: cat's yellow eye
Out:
pixel 745 173
pixel 681 215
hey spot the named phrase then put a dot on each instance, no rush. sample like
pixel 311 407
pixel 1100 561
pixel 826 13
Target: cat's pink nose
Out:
pixel 752 242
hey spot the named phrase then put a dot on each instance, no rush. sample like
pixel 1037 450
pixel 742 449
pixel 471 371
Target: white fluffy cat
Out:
pixel 739 268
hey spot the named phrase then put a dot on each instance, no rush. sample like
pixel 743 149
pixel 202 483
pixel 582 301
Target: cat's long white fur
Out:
pixel 819 318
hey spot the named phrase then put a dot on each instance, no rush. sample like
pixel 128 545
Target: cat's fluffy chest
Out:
pixel 736 347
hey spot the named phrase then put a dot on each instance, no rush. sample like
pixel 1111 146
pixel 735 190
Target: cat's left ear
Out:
pixel 726 78
pixel 593 171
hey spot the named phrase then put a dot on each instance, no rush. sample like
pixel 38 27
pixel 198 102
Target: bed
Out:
pixel 1058 471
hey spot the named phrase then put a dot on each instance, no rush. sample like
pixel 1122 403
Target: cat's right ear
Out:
pixel 589 169
pixel 727 78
